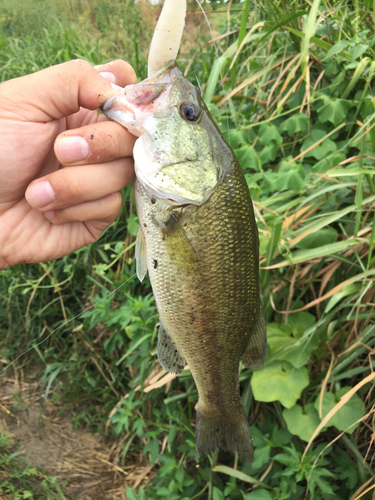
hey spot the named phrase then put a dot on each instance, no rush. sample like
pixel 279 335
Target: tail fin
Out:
pixel 222 432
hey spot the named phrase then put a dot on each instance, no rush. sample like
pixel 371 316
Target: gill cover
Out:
pixel 176 154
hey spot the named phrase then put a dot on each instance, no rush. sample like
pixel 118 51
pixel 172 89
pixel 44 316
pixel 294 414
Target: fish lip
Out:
pixel 124 109
pixel 167 74
pixel 118 109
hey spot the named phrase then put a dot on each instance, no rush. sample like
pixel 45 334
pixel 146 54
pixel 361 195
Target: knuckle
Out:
pixel 114 200
pixel 112 203
pixel 71 187
pixel 82 64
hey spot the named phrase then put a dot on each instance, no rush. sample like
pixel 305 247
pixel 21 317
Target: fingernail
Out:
pixel 117 88
pixel 40 195
pixel 108 76
pixel 72 149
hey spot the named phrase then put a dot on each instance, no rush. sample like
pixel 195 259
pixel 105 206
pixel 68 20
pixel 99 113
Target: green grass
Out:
pixel 303 131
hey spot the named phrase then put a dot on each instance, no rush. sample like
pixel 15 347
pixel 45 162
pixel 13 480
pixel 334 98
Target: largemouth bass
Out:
pixel 199 242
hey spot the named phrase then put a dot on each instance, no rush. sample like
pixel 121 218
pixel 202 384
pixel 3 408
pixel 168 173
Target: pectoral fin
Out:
pixel 141 255
pixel 168 355
pixel 255 353
pixel 179 247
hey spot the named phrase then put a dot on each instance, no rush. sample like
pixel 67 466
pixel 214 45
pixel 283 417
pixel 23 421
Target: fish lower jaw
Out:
pixel 158 184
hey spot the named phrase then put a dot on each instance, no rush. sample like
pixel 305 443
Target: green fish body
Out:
pixel 199 242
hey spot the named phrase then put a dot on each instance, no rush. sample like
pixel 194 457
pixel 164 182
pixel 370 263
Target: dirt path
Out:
pixel 89 464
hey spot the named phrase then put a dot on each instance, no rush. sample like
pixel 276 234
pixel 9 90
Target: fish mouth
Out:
pixel 130 103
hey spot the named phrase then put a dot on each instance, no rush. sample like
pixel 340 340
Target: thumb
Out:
pixel 56 92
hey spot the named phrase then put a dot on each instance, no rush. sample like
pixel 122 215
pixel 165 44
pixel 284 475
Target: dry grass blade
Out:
pixel 316 144
pixel 336 408
pixel 248 81
pixel 329 294
pixel 328 275
pixel 291 219
pixel 324 386
pixel 361 488
pixel 292 89
pixel 364 492
pixel 32 296
pixel 244 41
pixel 279 78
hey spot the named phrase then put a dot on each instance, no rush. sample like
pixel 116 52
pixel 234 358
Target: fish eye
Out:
pixel 190 111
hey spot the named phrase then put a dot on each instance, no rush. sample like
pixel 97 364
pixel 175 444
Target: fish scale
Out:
pixel 199 242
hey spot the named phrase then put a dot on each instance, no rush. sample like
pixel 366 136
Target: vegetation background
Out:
pixel 290 85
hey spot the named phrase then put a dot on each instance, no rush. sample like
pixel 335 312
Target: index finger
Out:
pixel 58 91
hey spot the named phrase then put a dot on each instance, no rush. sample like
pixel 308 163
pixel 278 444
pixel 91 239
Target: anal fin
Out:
pixel 168 355
pixel 256 350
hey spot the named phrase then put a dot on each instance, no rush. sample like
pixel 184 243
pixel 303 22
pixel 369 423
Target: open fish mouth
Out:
pixel 148 97
pixel 173 158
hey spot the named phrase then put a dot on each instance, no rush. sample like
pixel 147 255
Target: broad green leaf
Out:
pixel 258 437
pixel 358 50
pixel 284 346
pixel 268 133
pixel 236 138
pixel 280 437
pixel 278 336
pixel 259 495
pixel 302 422
pixel 268 153
pixel 334 110
pixel 131 493
pixel 291 177
pixel 322 149
pixel 300 322
pixel 336 49
pixel 279 381
pixel 269 179
pixel 248 157
pixel 217 494
pixel 252 179
pixel 327 163
pixel 345 416
pixel 291 458
pixel 295 123
pixel 261 456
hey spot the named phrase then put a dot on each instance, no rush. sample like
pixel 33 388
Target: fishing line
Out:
pixel 131 277
pixel 58 328
pixel 217 57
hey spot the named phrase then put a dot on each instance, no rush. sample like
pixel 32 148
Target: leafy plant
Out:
pixel 297 108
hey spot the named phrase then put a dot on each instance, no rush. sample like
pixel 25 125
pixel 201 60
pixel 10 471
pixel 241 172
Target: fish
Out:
pixel 198 240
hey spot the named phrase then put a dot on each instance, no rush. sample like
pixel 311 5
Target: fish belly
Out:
pixel 203 267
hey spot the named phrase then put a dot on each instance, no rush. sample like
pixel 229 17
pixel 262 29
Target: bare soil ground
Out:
pixel 87 466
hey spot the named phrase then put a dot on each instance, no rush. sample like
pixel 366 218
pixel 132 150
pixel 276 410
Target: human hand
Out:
pixel 62 165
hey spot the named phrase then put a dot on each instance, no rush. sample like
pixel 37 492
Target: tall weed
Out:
pixel 300 117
